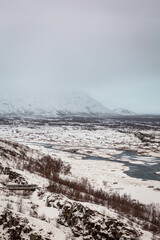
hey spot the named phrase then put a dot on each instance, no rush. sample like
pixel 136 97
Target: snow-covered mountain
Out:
pixel 123 111
pixel 75 104
pixel 17 106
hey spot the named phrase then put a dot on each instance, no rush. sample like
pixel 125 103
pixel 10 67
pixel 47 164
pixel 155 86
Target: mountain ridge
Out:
pixel 76 104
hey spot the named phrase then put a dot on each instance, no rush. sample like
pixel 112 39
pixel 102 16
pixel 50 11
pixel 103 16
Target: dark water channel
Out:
pixel 145 170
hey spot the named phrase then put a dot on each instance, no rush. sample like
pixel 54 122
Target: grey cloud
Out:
pixel 109 49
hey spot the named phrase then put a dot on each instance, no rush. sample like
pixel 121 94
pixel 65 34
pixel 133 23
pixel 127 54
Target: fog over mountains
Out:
pixel 109 50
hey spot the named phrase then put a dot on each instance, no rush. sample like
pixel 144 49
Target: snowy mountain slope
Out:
pixel 23 107
pixel 75 104
pixel 80 103
pixel 123 111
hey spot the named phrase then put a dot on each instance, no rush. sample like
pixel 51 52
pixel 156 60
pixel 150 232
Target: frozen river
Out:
pixel 145 170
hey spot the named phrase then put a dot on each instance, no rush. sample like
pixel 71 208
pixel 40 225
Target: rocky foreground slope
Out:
pixel 45 215
pixel 82 221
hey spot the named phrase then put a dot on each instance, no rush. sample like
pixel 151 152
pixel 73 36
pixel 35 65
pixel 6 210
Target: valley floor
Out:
pixel 114 159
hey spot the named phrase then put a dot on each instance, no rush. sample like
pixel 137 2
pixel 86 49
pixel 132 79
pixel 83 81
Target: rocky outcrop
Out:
pixel 13 225
pixel 88 223
pixel 12 176
pixel 16 228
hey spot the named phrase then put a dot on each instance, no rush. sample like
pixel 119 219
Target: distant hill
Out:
pixel 123 111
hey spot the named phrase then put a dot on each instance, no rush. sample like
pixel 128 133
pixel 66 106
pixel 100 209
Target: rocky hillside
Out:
pixel 81 220
pixel 46 215
pixel 90 224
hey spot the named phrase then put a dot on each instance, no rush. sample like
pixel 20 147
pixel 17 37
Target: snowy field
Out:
pixel 113 156
pixel 80 144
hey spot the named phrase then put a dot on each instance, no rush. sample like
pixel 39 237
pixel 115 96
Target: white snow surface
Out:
pixel 75 104
pixel 107 175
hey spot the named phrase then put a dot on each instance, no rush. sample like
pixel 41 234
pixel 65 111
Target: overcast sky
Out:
pixel 108 49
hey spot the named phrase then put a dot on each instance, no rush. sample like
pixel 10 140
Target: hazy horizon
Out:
pixel 108 49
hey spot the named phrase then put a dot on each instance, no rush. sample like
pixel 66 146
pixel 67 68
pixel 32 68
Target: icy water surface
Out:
pixel 144 170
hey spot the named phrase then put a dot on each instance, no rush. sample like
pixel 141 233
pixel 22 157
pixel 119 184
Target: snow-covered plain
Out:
pixel 73 143
pixel 87 150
